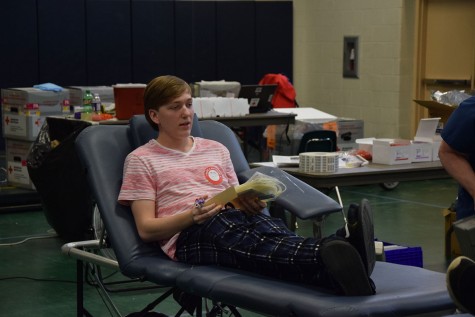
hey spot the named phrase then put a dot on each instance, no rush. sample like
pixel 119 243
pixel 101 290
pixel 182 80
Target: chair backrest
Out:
pixel 221 133
pixel 102 150
pixel 318 141
pixel 142 132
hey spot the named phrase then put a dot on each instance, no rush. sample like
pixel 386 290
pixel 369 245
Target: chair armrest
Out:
pixel 299 198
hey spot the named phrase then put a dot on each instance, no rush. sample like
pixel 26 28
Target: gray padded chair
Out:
pixel 401 290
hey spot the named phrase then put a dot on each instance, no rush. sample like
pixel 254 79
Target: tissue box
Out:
pixel 392 151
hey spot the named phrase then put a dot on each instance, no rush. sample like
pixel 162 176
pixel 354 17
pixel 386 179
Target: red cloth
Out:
pixel 284 96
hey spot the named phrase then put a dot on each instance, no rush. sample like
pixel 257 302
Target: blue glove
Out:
pixel 49 87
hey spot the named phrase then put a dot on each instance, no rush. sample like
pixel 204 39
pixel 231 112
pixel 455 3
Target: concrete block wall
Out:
pixel 381 95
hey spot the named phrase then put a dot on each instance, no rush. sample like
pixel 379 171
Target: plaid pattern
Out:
pixel 256 243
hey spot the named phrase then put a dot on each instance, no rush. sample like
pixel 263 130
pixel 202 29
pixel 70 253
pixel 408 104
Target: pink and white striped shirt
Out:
pixel 174 179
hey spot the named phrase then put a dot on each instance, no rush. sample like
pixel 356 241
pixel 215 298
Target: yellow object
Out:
pixel 54 143
pixel 266 188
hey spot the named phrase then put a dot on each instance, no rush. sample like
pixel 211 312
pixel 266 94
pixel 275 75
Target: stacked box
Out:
pixel 24 110
pixel 17 172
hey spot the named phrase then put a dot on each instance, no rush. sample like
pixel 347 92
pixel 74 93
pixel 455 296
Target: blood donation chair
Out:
pixel 400 290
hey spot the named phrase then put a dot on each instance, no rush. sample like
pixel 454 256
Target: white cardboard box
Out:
pixel 392 151
pixel 16 155
pixel 365 144
pixel 22 126
pixel 425 142
pixel 422 151
pixel 48 101
pixel 209 107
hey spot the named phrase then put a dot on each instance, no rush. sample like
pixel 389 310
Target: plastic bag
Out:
pixel 56 172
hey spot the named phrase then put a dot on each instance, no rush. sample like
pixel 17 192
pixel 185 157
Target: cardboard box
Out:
pixel 22 126
pixel 365 144
pixel 437 110
pixel 17 171
pixel 209 107
pixel 348 130
pixel 76 94
pixel 216 89
pixel 128 100
pixel 452 247
pixel 392 151
pixel 22 99
pixel 424 142
pixel 422 151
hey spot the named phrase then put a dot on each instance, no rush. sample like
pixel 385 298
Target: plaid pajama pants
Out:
pixel 256 243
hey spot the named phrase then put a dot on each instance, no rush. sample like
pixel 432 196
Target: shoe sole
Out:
pixel 453 265
pixel 363 238
pixel 344 264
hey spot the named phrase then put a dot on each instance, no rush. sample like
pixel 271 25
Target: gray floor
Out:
pixel 37 280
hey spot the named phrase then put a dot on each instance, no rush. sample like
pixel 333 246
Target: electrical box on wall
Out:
pixel 350 57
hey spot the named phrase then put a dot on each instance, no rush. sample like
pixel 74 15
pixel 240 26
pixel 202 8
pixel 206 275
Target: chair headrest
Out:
pixel 142 132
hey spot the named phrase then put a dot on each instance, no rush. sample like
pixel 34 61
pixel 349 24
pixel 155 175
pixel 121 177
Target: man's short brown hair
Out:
pixel 160 91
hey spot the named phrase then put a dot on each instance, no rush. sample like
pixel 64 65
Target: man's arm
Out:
pixel 151 228
pixel 457 165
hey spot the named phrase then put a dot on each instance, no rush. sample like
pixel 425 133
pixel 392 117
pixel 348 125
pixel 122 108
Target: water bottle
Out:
pixel 96 103
pixel 87 106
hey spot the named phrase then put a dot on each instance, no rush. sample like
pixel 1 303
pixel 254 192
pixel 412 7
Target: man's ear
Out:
pixel 154 115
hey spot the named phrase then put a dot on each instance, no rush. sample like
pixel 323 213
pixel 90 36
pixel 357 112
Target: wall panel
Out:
pixel 153 39
pixel 108 42
pixel 195 40
pixel 61 42
pixel 274 42
pixel 236 41
pixel 19 53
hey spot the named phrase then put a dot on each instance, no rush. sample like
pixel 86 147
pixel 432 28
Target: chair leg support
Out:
pixel 80 310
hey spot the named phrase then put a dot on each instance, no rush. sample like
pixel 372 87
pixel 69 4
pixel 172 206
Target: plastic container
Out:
pixel 128 100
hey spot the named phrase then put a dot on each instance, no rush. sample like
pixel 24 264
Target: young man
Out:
pixel 457 154
pixel 167 180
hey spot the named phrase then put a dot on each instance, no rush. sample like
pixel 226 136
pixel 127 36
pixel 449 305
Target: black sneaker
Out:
pixel 344 265
pixel 460 283
pixel 361 228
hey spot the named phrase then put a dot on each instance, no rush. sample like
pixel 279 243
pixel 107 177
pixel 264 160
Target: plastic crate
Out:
pixel 404 255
